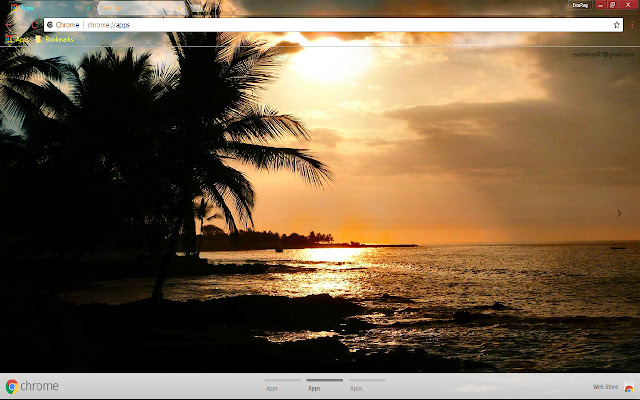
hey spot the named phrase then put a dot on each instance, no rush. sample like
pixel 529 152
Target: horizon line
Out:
pixel 516 242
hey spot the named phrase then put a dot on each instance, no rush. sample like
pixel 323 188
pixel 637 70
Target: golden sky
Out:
pixel 446 142
pixel 461 144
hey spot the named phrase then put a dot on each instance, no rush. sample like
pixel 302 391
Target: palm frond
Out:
pixel 299 161
pixel 24 66
pixel 166 79
pixel 16 104
pixel 77 85
pixel 220 201
pixel 46 97
pixel 261 124
pixel 214 216
pixel 253 66
pixel 232 185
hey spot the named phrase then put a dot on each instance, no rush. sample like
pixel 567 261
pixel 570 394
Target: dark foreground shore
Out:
pixel 222 335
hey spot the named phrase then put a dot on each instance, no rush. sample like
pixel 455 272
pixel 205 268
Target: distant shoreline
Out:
pixel 327 246
pixel 348 245
pixel 264 241
pixel 360 245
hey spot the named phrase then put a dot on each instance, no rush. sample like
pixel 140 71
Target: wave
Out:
pixel 388 298
pixel 284 268
pixel 482 319
pixel 315 262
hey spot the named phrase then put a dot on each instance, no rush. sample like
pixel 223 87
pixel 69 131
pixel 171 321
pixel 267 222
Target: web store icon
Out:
pixel 628 387
pixel 12 386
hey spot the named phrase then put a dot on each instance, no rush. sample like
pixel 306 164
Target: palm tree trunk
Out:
pixel 167 258
pixel 200 238
pixel 189 228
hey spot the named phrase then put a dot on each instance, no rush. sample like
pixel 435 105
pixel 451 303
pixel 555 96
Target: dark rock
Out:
pixel 466 316
pixel 194 336
pixel 395 299
pixel 355 325
pixel 318 348
pixel 496 306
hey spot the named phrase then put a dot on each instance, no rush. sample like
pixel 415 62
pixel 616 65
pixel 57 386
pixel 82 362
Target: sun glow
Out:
pixel 341 255
pixel 332 60
pixel 336 271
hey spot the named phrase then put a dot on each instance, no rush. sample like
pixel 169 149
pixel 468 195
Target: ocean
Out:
pixel 519 307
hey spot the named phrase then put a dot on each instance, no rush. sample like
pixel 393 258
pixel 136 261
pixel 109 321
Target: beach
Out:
pixel 506 307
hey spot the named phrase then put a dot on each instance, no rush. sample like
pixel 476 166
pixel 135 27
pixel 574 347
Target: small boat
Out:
pixel 618 248
pixel 279 249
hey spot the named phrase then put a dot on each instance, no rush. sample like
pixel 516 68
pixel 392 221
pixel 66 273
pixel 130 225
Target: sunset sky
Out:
pixel 441 141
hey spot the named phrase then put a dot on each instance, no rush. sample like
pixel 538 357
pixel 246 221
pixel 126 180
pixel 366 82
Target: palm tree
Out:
pixel 218 116
pixel 203 210
pixel 106 122
pixel 191 120
pixel 17 66
pixel 97 145
pixel 18 69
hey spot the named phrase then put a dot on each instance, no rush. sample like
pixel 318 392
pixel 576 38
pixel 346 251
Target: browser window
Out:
pixel 334 199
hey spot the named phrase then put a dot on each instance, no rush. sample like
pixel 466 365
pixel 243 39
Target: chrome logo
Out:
pixel 12 386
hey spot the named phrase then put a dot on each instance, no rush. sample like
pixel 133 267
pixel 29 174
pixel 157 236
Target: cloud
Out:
pixel 328 138
pixel 550 118
pixel 288 47
pixel 541 141
pixel 370 106
pixel 472 143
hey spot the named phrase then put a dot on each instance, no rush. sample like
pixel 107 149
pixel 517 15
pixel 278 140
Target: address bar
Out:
pixel 334 24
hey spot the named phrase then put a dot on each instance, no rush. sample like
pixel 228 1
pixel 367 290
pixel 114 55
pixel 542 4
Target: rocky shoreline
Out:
pixel 221 335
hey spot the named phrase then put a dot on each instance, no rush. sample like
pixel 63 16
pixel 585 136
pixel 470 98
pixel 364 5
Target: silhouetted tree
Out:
pixel 17 66
pixel 202 210
pixel 94 153
pixel 144 169
pixel 216 115
pixel 210 230
pixel 18 70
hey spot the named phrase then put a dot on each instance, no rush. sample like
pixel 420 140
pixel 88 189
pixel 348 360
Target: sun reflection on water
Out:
pixel 341 255
pixel 337 272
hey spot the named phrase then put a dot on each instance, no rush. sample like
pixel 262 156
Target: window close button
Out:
pixel 628 4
